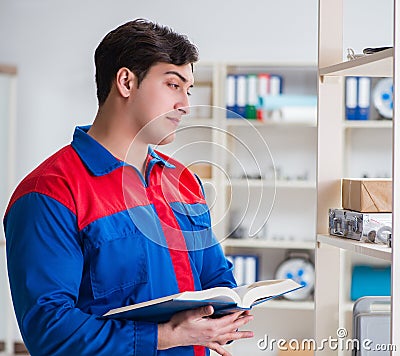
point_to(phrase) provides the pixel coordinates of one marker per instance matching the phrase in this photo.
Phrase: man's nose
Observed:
(183, 106)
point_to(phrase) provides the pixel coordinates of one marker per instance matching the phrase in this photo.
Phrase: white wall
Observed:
(368, 23)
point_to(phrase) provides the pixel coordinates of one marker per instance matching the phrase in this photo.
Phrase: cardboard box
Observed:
(367, 195)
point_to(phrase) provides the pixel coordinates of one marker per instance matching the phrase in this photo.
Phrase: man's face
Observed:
(160, 102)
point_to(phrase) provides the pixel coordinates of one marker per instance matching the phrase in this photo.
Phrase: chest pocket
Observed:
(116, 255)
(194, 220)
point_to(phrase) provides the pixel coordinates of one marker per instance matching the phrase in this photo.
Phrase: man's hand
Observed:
(195, 327)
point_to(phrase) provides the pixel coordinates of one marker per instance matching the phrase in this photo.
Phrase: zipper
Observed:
(139, 174)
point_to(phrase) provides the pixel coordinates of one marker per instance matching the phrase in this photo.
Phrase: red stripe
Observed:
(175, 239)
(199, 350)
(176, 245)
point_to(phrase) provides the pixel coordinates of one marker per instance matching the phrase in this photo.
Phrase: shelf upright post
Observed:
(395, 315)
(329, 171)
(220, 156)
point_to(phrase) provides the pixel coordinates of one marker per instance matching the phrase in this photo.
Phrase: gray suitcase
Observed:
(371, 227)
(371, 326)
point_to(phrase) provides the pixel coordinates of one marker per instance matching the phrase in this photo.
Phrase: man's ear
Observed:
(125, 82)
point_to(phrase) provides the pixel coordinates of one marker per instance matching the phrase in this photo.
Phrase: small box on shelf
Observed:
(367, 195)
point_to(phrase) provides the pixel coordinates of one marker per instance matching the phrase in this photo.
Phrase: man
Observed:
(107, 221)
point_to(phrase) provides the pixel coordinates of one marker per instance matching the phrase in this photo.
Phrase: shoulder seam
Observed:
(47, 195)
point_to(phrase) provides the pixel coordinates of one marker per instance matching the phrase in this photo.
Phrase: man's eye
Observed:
(175, 86)
(189, 93)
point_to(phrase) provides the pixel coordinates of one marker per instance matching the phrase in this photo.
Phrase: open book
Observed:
(223, 299)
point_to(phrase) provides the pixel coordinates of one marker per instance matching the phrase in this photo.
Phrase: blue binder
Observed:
(358, 98)
(351, 98)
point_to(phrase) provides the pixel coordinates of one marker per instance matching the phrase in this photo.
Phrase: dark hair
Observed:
(137, 45)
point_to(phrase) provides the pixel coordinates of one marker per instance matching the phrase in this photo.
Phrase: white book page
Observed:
(223, 294)
(264, 289)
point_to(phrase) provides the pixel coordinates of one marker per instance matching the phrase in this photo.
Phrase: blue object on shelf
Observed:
(358, 98)
(273, 102)
(370, 281)
(383, 97)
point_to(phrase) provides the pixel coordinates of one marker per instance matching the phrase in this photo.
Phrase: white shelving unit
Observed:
(294, 157)
(332, 304)
(367, 124)
(368, 146)
(253, 183)
(272, 143)
(381, 252)
(277, 194)
(266, 249)
(288, 305)
(8, 82)
(256, 243)
(271, 124)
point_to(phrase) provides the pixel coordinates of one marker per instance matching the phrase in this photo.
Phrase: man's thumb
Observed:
(207, 311)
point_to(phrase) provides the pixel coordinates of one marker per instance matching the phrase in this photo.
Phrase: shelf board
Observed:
(368, 124)
(276, 124)
(261, 243)
(367, 249)
(348, 306)
(379, 64)
(286, 304)
(248, 65)
(254, 183)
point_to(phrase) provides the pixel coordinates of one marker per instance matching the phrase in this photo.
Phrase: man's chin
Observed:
(165, 141)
